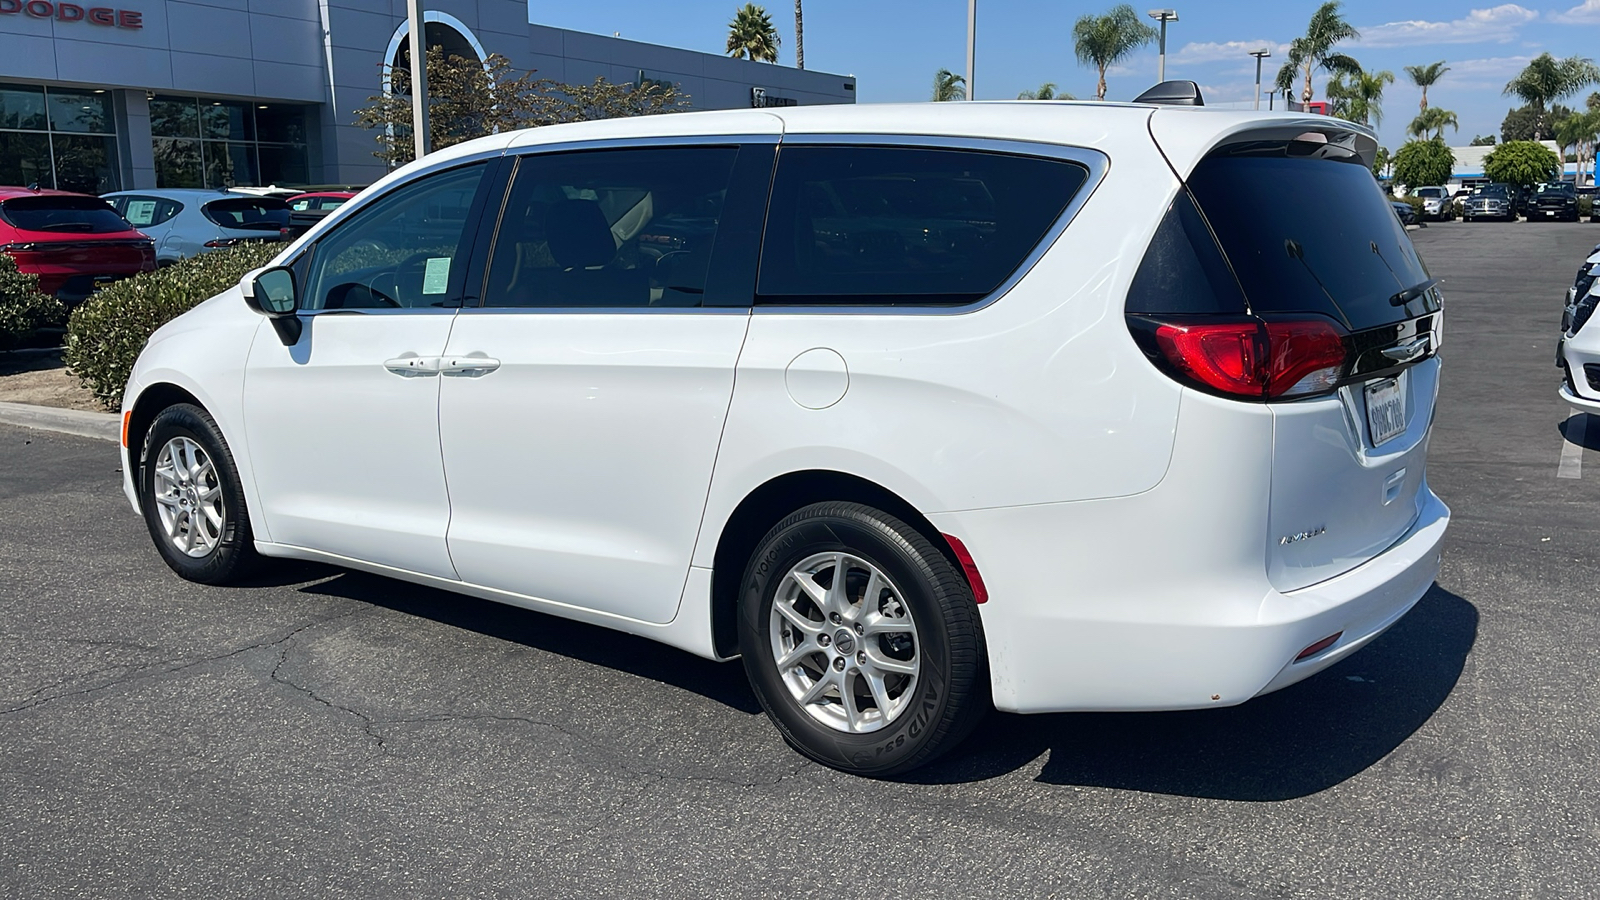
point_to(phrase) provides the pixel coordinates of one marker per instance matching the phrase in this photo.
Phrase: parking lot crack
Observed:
(171, 666)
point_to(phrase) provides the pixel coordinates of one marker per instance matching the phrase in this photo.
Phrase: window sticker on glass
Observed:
(141, 212)
(436, 277)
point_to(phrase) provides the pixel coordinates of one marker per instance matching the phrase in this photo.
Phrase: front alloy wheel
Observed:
(189, 490)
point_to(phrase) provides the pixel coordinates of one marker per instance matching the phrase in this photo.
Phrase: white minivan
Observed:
(920, 410)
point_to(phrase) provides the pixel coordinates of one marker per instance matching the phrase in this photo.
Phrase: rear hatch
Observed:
(247, 218)
(60, 236)
(1318, 257)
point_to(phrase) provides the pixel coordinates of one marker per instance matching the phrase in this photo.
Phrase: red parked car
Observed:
(75, 243)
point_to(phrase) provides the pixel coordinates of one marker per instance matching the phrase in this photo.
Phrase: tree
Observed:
(1046, 91)
(1521, 162)
(1423, 163)
(1314, 50)
(1359, 99)
(1482, 140)
(1382, 162)
(947, 85)
(1426, 77)
(1578, 131)
(1527, 123)
(1431, 123)
(1104, 41)
(751, 34)
(799, 36)
(1547, 79)
(468, 99)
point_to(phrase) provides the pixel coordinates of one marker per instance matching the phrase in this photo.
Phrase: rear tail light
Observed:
(1253, 358)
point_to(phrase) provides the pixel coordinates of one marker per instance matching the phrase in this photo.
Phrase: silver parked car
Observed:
(1436, 203)
(186, 222)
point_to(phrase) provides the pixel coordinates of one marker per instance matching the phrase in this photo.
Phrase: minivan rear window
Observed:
(902, 225)
(1308, 235)
(249, 213)
(64, 215)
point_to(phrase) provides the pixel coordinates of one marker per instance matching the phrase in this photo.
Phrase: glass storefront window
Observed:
(178, 163)
(227, 120)
(22, 107)
(174, 117)
(81, 111)
(85, 163)
(24, 159)
(240, 143)
(62, 138)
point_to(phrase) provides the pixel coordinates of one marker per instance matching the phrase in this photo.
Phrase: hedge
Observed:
(23, 310)
(106, 333)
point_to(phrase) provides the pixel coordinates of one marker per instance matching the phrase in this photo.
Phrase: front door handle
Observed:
(469, 366)
(413, 366)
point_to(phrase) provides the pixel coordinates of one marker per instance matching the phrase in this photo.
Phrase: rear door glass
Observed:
(62, 215)
(900, 225)
(1308, 235)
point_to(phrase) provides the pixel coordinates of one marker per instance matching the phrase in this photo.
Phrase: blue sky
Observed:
(894, 46)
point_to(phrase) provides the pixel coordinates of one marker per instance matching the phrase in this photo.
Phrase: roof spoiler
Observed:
(1173, 93)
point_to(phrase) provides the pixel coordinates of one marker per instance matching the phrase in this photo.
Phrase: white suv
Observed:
(918, 409)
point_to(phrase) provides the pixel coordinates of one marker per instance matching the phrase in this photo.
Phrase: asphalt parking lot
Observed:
(329, 734)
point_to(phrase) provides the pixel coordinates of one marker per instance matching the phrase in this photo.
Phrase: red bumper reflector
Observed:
(1319, 646)
(980, 594)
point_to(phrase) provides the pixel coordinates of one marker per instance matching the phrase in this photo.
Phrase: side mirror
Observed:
(272, 293)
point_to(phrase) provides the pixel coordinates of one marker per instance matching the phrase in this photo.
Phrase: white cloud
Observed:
(1230, 51)
(1585, 13)
(1492, 72)
(1499, 23)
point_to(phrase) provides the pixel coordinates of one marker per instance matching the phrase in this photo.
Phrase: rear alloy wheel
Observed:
(193, 505)
(861, 640)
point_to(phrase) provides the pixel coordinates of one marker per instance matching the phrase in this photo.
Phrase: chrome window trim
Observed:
(606, 310)
(645, 142)
(379, 311)
(1096, 162)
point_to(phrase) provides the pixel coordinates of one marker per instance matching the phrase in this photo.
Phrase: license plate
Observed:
(1549, 212)
(1386, 410)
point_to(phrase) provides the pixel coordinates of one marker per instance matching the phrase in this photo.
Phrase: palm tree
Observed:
(1361, 98)
(1433, 121)
(1106, 40)
(1578, 132)
(1315, 50)
(947, 85)
(799, 36)
(1547, 79)
(751, 34)
(1046, 91)
(1425, 77)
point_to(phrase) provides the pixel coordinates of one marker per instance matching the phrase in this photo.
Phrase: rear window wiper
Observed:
(1412, 293)
(83, 227)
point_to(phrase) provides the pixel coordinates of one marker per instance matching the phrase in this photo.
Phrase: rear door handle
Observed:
(469, 366)
(413, 366)
(1408, 351)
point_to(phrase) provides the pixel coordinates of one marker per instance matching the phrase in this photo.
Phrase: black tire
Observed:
(950, 694)
(233, 557)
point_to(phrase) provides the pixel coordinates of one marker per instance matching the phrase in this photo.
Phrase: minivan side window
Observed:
(903, 225)
(610, 228)
(400, 251)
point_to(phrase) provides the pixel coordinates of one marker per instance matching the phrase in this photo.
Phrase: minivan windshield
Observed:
(63, 214)
(1337, 250)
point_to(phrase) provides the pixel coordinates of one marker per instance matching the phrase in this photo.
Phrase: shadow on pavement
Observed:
(1582, 429)
(722, 682)
(1292, 743)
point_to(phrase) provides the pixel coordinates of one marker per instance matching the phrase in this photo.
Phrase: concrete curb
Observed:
(105, 426)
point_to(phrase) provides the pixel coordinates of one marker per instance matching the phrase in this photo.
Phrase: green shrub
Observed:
(1585, 204)
(1415, 203)
(107, 332)
(23, 310)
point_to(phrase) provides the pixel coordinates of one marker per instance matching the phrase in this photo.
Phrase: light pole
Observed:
(972, 45)
(1163, 16)
(419, 79)
(1259, 55)
(1270, 94)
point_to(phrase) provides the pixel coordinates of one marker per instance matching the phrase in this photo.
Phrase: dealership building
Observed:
(215, 93)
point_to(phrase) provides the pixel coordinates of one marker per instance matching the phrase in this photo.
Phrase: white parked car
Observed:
(186, 222)
(1578, 350)
(918, 409)
(1436, 203)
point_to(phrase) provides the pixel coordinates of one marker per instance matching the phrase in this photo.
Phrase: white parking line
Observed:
(1576, 430)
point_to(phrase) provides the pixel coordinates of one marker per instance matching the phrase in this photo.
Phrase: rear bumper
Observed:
(1230, 637)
